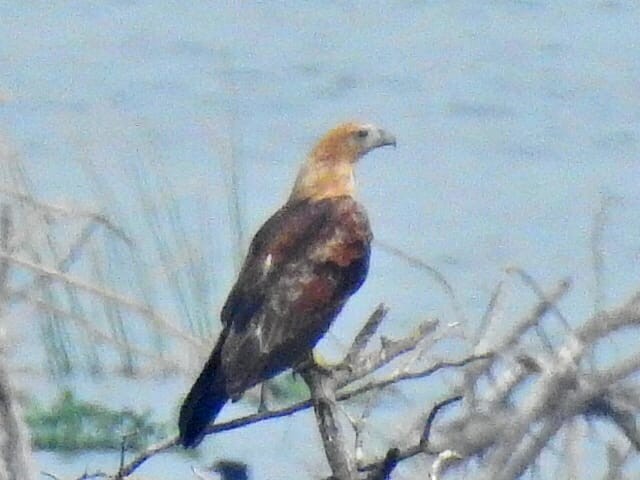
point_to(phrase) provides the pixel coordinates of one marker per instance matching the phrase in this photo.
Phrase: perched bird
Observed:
(302, 266)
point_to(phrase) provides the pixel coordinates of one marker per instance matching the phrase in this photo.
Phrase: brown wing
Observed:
(302, 266)
(278, 241)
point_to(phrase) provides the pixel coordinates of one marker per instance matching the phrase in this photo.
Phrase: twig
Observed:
(545, 304)
(509, 463)
(292, 409)
(624, 418)
(89, 476)
(513, 377)
(487, 316)
(50, 475)
(364, 335)
(381, 469)
(560, 393)
(437, 276)
(364, 364)
(604, 323)
(391, 460)
(529, 281)
(128, 468)
(123, 449)
(401, 376)
(600, 219)
(426, 433)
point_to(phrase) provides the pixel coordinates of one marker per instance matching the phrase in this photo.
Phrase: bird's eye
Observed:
(363, 133)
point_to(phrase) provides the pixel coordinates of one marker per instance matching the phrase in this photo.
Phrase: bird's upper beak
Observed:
(385, 138)
(367, 137)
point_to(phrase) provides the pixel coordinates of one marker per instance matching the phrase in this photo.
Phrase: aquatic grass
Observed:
(51, 249)
(70, 424)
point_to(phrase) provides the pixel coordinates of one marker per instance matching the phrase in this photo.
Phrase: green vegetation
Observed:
(288, 388)
(71, 424)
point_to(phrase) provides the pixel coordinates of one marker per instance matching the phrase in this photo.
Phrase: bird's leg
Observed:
(312, 361)
(304, 364)
(262, 406)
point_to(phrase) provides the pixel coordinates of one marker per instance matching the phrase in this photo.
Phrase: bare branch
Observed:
(435, 274)
(400, 376)
(90, 476)
(426, 433)
(364, 364)
(322, 387)
(381, 469)
(303, 405)
(364, 335)
(50, 475)
(535, 287)
(603, 323)
(487, 317)
(600, 219)
(14, 441)
(623, 417)
(547, 302)
(388, 464)
(128, 468)
(507, 432)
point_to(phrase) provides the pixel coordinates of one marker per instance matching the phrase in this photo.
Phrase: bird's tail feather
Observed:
(204, 401)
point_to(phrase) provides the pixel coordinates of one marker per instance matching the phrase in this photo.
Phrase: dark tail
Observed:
(205, 400)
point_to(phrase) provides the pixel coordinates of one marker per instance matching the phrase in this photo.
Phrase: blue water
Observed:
(515, 121)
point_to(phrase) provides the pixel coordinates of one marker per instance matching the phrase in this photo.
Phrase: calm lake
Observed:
(517, 121)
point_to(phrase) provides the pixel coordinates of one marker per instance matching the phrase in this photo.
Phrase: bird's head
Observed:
(350, 141)
(328, 171)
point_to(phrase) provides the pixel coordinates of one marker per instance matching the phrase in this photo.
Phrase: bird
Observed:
(301, 267)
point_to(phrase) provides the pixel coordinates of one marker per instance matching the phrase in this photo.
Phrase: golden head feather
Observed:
(328, 170)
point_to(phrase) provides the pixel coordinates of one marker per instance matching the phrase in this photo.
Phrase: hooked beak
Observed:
(385, 138)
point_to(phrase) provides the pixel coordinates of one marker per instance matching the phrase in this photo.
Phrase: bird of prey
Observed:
(302, 266)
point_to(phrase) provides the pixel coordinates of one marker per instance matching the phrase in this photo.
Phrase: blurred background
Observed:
(143, 143)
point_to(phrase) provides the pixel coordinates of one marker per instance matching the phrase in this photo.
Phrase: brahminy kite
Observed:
(302, 266)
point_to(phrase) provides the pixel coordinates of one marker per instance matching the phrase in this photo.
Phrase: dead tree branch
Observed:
(510, 435)
(331, 386)
(15, 452)
(322, 387)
